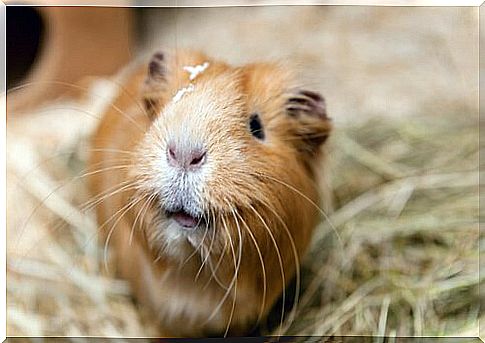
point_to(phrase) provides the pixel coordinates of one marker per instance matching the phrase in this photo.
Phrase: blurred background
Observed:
(401, 84)
(382, 60)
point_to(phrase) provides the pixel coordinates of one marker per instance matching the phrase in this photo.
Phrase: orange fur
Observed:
(256, 192)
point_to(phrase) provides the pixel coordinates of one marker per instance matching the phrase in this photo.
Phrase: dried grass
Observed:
(406, 211)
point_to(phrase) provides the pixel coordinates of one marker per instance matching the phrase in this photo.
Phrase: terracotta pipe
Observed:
(78, 42)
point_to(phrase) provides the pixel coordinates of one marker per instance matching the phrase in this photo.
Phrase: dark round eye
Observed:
(256, 127)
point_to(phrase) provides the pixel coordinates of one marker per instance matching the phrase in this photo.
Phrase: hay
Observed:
(405, 261)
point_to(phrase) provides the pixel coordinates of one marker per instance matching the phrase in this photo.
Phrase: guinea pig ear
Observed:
(154, 83)
(313, 126)
(157, 68)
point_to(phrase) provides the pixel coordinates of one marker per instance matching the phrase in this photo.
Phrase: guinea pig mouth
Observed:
(185, 219)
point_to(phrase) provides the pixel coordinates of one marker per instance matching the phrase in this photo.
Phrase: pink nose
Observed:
(189, 159)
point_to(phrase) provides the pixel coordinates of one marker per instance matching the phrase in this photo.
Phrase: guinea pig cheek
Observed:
(226, 182)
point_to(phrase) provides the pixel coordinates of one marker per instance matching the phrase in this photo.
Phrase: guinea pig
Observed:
(206, 183)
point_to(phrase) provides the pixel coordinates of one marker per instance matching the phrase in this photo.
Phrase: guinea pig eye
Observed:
(256, 127)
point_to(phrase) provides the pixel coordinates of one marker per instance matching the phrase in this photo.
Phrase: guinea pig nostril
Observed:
(198, 159)
(171, 153)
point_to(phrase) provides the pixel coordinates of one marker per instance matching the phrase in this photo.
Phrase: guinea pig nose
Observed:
(191, 158)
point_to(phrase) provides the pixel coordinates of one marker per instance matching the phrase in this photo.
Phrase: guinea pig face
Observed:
(227, 149)
(195, 157)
